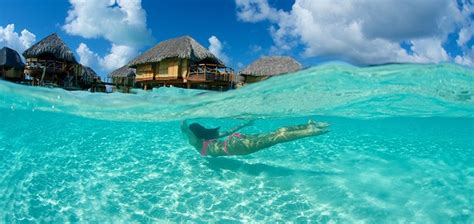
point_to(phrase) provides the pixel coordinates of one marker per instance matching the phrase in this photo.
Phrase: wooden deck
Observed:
(211, 73)
(202, 76)
(49, 66)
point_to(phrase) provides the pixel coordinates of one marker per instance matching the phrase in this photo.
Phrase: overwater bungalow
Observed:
(50, 62)
(123, 78)
(182, 62)
(91, 81)
(267, 67)
(11, 65)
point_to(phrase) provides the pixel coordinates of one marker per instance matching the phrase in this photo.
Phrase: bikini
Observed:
(206, 143)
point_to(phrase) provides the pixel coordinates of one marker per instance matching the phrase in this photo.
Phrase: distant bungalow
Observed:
(11, 66)
(90, 80)
(123, 78)
(51, 62)
(181, 62)
(266, 67)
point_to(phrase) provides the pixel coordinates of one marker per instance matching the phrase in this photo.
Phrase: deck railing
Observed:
(46, 72)
(211, 73)
(52, 66)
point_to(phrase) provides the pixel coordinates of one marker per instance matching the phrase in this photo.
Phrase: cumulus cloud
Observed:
(255, 10)
(465, 34)
(428, 50)
(123, 23)
(86, 56)
(216, 47)
(19, 42)
(364, 32)
(466, 59)
(118, 56)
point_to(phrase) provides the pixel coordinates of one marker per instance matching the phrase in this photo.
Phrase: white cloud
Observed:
(255, 10)
(86, 56)
(467, 58)
(465, 34)
(11, 39)
(365, 31)
(428, 50)
(216, 47)
(463, 60)
(118, 56)
(123, 23)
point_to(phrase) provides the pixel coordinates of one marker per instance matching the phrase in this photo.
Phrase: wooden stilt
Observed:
(42, 76)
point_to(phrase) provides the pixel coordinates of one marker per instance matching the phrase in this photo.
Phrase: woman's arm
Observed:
(233, 130)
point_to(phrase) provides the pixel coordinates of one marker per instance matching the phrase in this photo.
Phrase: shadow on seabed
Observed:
(257, 169)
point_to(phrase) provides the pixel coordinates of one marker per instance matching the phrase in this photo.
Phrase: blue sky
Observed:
(240, 31)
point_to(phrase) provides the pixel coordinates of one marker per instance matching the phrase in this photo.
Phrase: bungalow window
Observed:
(163, 68)
(144, 71)
(173, 68)
(167, 68)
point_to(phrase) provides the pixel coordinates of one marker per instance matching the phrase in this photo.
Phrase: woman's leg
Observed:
(251, 144)
(310, 124)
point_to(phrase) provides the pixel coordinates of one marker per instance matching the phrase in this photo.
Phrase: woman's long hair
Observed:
(204, 133)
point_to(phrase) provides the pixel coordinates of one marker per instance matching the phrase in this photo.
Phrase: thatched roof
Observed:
(181, 47)
(88, 72)
(9, 58)
(53, 45)
(123, 71)
(88, 75)
(270, 66)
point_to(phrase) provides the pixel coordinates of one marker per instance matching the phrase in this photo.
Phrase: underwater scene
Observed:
(400, 148)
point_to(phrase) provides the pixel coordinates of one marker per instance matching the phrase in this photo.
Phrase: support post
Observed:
(42, 76)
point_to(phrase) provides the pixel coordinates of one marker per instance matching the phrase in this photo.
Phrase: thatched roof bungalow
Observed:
(88, 75)
(51, 47)
(266, 67)
(11, 65)
(181, 62)
(123, 78)
(123, 71)
(91, 80)
(51, 61)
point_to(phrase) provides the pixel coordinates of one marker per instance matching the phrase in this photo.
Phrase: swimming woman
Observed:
(207, 142)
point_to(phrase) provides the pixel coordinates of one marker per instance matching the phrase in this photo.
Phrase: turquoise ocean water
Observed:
(400, 149)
